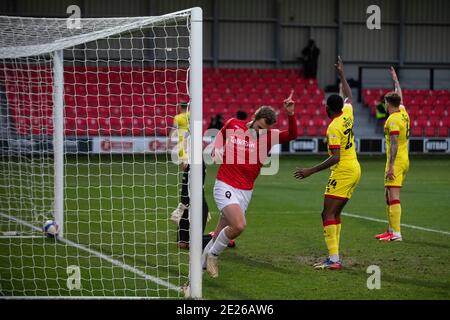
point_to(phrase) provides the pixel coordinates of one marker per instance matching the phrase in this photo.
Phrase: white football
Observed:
(51, 228)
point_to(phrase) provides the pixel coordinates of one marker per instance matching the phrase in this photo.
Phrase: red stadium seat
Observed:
(69, 126)
(438, 110)
(81, 127)
(425, 111)
(442, 92)
(319, 121)
(70, 112)
(92, 112)
(114, 100)
(94, 97)
(137, 126)
(105, 127)
(430, 132)
(92, 126)
(443, 132)
(416, 131)
(127, 125)
(116, 127)
(323, 131)
(421, 121)
(432, 122)
(413, 112)
(126, 111)
(311, 131)
(305, 122)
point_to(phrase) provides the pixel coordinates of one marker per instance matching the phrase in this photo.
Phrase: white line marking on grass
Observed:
(355, 216)
(20, 237)
(403, 224)
(102, 256)
(79, 298)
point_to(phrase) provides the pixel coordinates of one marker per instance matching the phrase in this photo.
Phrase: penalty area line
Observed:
(101, 256)
(357, 216)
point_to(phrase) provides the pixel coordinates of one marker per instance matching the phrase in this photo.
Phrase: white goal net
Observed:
(85, 114)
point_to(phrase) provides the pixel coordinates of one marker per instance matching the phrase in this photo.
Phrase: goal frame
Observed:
(194, 288)
(196, 168)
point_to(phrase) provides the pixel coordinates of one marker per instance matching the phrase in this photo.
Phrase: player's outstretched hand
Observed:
(339, 66)
(394, 74)
(289, 104)
(302, 173)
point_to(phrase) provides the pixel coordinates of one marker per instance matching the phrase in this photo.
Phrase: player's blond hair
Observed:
(267, 113)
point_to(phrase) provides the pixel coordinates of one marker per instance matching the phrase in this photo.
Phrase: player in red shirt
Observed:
(242, 147)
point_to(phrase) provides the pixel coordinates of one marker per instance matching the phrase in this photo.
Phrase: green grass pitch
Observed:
(126, 219)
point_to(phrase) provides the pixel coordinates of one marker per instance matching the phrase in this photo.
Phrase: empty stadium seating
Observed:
(429, 110)
(136, 102)
(113, 101)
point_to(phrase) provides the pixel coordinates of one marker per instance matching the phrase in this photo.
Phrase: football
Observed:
(51, 229)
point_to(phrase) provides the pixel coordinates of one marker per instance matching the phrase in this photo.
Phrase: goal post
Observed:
(85, 116)
(196, 186)
(58, 139)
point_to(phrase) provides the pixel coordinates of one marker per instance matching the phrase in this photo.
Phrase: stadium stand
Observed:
(122, 102)
(429, 110)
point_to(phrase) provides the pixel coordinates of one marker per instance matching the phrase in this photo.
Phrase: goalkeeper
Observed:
(181, 214)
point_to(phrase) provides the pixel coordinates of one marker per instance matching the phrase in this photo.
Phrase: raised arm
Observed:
(346, 91)
(398, 89)
(291, 133)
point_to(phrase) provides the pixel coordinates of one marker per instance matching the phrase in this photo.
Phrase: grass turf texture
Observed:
(273, 257)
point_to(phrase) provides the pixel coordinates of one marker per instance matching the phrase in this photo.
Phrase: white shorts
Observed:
(224, 195)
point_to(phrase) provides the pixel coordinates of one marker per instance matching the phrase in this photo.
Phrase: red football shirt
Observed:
(244, 152)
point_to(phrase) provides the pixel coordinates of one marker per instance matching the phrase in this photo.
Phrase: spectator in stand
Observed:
(241, 115)
(309, 58)
(381, 110)
(216, 122)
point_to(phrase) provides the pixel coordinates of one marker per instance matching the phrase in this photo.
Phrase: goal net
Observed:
(85, 113)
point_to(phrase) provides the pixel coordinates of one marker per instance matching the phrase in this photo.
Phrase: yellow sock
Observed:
(388, 213)
(396, 212)
(330, 234)
(338, 234)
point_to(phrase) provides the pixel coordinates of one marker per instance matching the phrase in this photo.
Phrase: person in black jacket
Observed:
(310, 57)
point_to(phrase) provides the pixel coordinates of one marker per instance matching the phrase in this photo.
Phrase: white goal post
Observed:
(85, 116)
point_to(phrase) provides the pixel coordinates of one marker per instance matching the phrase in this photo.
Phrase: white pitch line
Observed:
(20, 237)
(360, 217)
(403, 224)
(102, 256)
(79, 298)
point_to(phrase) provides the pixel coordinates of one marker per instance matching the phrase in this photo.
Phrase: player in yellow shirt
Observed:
(181, 130)
(396, 131)
(344, 165)
(181, 125)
